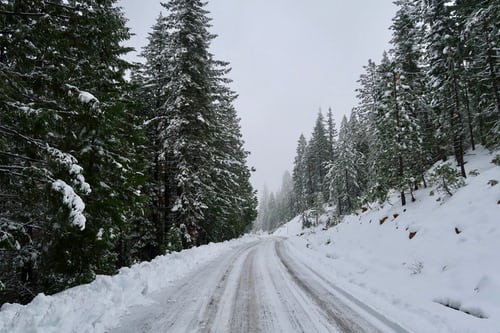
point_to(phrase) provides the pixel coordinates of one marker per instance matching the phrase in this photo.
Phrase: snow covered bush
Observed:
(446, 178)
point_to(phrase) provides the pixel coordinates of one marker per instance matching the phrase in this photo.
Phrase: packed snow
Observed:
(446, 278)
(99, 305)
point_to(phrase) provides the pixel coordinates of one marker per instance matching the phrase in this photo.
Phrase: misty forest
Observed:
(106, 163)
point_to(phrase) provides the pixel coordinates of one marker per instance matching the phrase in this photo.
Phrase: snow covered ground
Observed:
(445, 279)
(363, 275)
(99, 305)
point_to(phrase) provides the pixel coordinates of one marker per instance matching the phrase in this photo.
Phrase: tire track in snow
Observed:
(213, 305)
(188, 306)
(291, 309)
(258, 287)
(326, 294)
(245, 312)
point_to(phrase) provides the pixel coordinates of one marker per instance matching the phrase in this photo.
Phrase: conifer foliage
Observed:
(202, 183)
(97, 172)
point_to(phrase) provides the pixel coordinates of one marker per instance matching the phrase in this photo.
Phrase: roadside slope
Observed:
(446, 278)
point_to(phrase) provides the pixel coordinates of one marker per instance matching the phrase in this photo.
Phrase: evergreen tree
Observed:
(480, 35)
(342, 175)
(409, 89)
(445, 59)
(398, 130)
(233, 209)
(276, 209)
(300, 174)
(317, 157)
(66, 133)
(200, 182)
(151, 81)
(369, 95)
(331, 134)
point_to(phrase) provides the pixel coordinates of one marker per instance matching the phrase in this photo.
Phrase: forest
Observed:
(104, 163)
(434, 95)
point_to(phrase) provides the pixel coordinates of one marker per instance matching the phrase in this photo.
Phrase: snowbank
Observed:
(445, 278)
(98, 305)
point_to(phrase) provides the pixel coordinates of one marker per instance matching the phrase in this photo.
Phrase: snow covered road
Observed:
(259, 287)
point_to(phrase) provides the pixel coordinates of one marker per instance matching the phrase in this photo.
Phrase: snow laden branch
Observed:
(71, 164)
(72, 201)
(69, 197)
(84, 97)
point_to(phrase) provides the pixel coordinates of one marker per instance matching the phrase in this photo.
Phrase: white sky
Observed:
(289, 58)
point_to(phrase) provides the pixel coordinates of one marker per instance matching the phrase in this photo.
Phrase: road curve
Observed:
(259, 287)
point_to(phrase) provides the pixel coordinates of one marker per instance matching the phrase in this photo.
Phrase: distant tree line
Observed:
(96, 171)
(434, 94)
(276, 208)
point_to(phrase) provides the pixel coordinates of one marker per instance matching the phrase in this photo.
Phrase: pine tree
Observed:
(300, 174)
(233, 208)
(317, 157)
(200, 182)
(397, 129)
(286, 199)
(179, 71)
(331, 134)
(480, 35)
(409, 90)
(445, 58)
(151, 80)
(67, 82)
(33, 167)
(275, 209)
(369, 95)
(342, 174)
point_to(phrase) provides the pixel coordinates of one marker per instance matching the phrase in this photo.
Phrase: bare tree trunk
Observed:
(469, 118)
(349, 203)
(456, 125)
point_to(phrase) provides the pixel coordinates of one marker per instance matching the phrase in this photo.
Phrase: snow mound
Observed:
(99, 305)
(433, 264)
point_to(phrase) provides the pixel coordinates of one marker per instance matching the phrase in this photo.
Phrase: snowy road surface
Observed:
(260, 287)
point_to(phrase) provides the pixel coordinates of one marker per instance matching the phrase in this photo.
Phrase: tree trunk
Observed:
(494, 81)
(349, 204)
(456, 125)
(411, 194)
(469, 118)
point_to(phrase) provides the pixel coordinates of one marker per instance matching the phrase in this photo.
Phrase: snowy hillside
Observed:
(432, 265)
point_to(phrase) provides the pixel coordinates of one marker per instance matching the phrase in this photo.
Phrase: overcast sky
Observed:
(289, 58)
